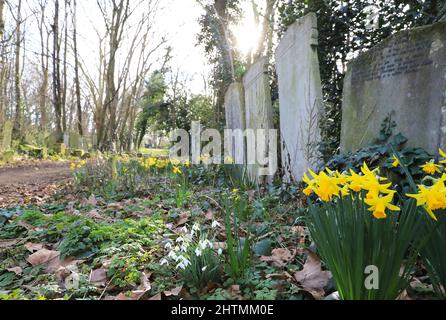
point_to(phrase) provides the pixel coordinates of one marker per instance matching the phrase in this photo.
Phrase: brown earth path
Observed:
(31, 183)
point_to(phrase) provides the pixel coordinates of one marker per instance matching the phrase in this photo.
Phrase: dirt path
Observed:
(31, 183)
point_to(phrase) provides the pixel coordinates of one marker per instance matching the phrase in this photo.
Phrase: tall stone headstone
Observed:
(405, 77)
(259, 114)
(235, 121)
(301, 100)
(6, 137)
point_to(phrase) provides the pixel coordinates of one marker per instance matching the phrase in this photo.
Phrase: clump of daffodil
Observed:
(80, 165)
(329, 184)
(432, 168)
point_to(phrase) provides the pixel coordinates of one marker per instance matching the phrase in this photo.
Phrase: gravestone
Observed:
(259, 114)
(301, 100)
(405, 77)
(235, 120)
(6, 138)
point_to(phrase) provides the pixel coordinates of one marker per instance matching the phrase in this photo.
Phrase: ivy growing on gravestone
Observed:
(345, 29)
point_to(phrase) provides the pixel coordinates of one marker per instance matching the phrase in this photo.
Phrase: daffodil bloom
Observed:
(380, 203)
(431, 168)
(152, 162)
(73, 166)
(327, 187)
(396, 162)
(175, 162)
(356, 182)
(177, 170)
(431, 198)
(186, 163)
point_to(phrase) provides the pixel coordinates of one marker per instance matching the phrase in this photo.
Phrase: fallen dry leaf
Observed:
(4, 244)
(312, 278)
(92, 201)
(98, 277)
(280, 257)
(33, 247)
(183, 219)
(175, 292)
(131, 296)
(17, 270)
(51, 259)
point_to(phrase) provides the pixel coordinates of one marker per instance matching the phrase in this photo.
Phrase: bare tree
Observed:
(57, 89)
(76, 71)
(17, 134)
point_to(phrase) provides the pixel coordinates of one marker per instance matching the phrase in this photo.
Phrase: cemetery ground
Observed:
(145, 228)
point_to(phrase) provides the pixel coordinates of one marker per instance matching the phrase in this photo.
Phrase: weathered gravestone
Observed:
(301, 99)
(6, 137)
(235, 121)
(404, 76)
(259, 117)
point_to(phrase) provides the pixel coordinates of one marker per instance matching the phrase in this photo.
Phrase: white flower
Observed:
(215, 224)
(181, 266)
(184, 230)
(164, 262)
(204, 269)
(172, 255)
(202, 244)
(196, 227)
(184, 248)
(180, 239)
(220, 251)
(168, 246)
(198, 252)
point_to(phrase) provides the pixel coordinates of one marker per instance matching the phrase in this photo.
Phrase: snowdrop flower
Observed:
(180, 239)
(164, 262)
(184, 248)
(220, 251)
(181, 266)
(198, 252)
(196, 227)
(168, 246)
(204, 269)
(184, 230)
(172, 255)
(215, 224)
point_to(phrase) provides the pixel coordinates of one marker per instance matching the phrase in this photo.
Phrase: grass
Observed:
(154, 152)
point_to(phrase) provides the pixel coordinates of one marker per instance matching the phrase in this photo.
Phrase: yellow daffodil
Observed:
(186, 163)
(396, 162)
(431, 168)
(312, 184)
(152, 162)
(327, 187)
(431, 198)
(73, 166)
(177, 170)
(356, 182)
(161, 164)
(379, 204)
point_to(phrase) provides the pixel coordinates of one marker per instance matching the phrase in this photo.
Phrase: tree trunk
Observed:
(17, 130)
(2, 65)
(76, 72)
(57, 92)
